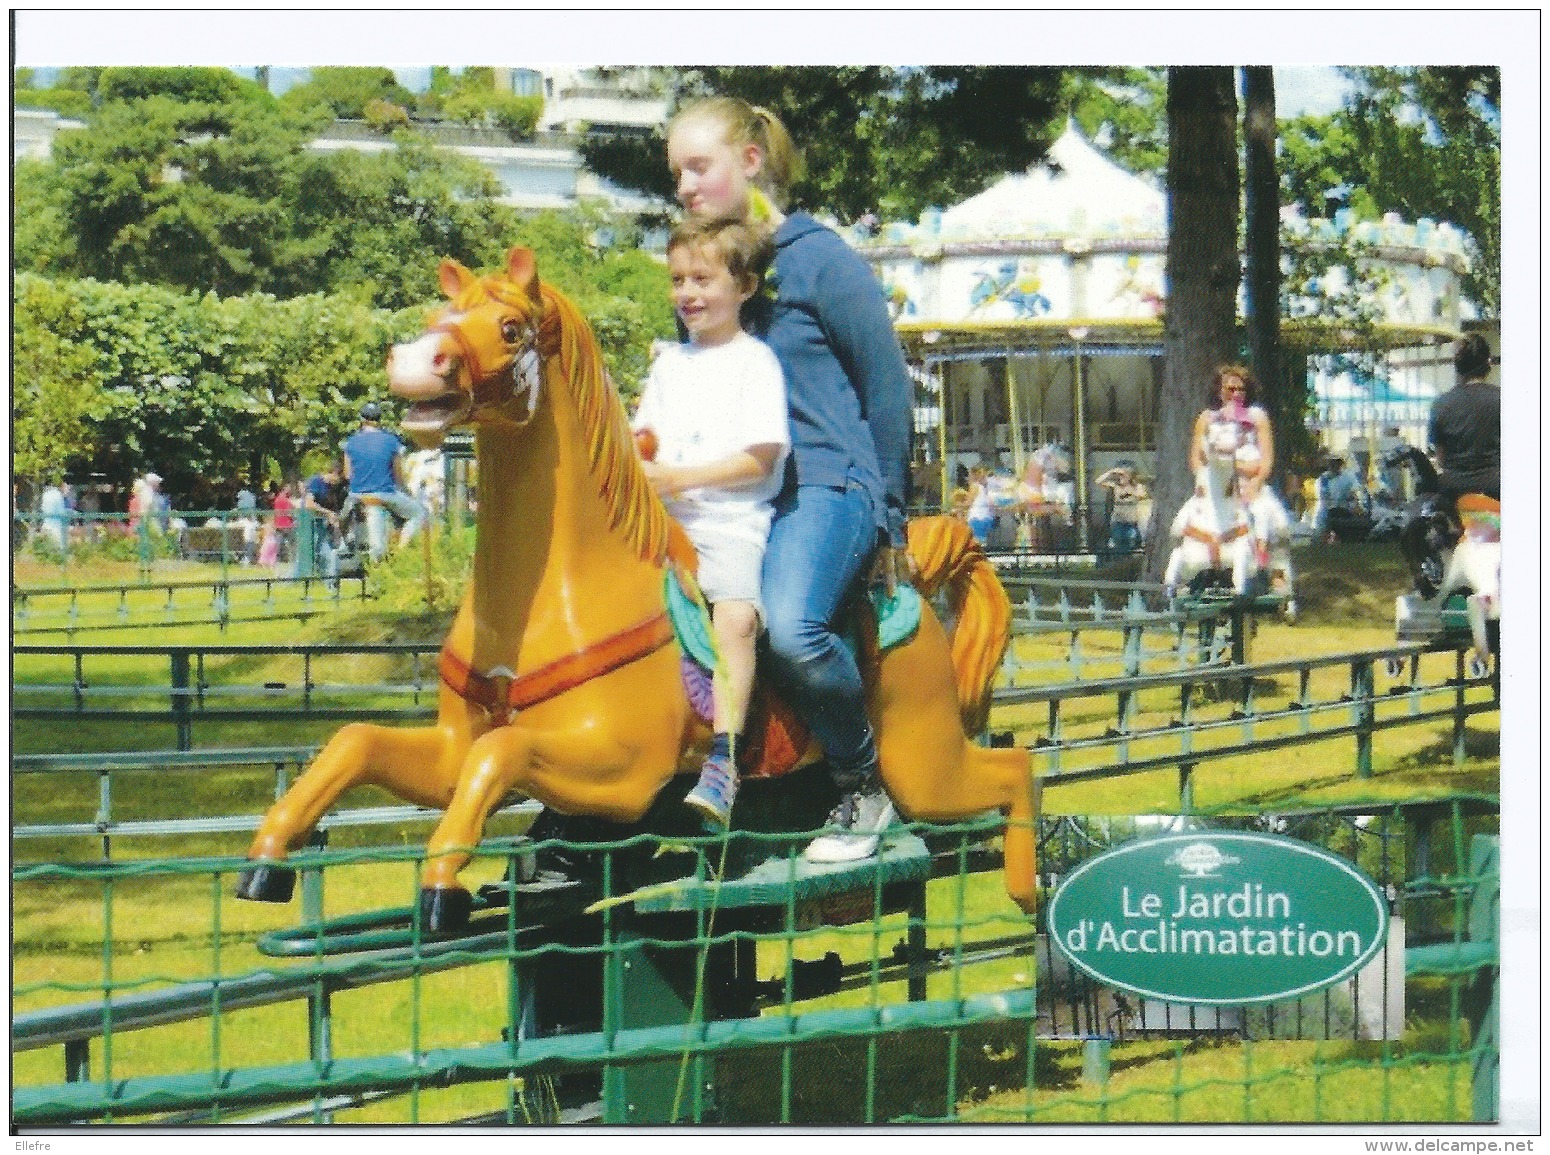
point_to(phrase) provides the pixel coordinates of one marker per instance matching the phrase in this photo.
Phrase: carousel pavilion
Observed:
(1031, 314)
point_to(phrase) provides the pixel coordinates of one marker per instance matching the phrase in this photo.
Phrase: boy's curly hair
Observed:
(745, 248)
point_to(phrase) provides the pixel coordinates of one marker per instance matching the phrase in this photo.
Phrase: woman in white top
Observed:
(1233, 387)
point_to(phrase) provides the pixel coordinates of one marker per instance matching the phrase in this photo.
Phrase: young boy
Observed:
(717, 407)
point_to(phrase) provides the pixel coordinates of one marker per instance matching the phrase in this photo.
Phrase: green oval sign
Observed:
(1215, 917)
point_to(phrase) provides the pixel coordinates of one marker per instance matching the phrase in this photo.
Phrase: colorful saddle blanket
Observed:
(774, 737)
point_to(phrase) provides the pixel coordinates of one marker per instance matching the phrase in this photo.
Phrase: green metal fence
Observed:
(668, 976)
(1089, 630)
(147, 605)
(1110, 728)
(680, 978)
(178, 686)
(1090, 727)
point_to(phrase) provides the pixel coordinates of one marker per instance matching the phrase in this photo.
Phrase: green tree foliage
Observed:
(470, 97)
(198, 387)
(345, 92)
(194, 85)
(120, 378)
(181, 193)
(380, 222)
(67, 101)
(41, 240)
(1420, 142)
(226, 197)
(56, 388)
(885, 140)
(1123, 110)
(77, 91)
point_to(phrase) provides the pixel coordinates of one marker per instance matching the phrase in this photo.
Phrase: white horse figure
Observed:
(1473, 566)
(1271, 528)
(1212, 530)
(426, 479)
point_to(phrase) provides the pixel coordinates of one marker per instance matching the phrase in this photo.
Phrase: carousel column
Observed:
(938, 375)
(1079, 436)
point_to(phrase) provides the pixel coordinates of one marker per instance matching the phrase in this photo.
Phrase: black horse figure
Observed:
(1424, 531)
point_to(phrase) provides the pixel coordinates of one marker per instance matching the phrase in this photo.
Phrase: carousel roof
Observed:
(1077, 243)
(1076, 191)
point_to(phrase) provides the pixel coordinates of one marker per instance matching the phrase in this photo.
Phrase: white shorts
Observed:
(731, 568)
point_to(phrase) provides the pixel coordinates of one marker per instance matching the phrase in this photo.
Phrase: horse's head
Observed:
(478, 359)
(1222, 441)
(1219, 472)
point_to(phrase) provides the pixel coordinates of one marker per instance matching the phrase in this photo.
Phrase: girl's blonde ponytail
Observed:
(782, 162)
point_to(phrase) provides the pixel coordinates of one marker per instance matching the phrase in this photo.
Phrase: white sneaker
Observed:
(855, 826)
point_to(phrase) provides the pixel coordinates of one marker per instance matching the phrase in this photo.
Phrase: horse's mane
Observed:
(633, 507)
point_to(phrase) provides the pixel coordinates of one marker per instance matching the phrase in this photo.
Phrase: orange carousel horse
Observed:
(561, 677)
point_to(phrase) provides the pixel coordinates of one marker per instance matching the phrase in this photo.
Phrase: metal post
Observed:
(1095, 1060)
(181, 712)
(320, 1022)
(1365, 711)
(1240, 640)
(1459, 714)
(77, 1060)
(145, 547)
(425, 549)
(915, 945)
(941, 430)
(105, 811)
(1079, 436)
(305, 544)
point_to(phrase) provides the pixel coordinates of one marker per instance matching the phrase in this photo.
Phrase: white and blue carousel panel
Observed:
(1004, 288)
(1126, 286)
(903, 288)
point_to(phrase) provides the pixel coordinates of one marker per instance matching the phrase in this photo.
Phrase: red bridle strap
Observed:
(558, 676)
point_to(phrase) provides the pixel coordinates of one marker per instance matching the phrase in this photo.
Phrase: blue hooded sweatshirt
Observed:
(848, 390)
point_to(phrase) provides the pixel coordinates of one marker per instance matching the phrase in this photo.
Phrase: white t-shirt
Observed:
(704, 403)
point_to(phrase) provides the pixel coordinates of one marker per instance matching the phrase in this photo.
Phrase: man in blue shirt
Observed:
(374, 465)
(1344, 501)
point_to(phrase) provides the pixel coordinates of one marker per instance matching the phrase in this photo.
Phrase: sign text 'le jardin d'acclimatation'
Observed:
(1217, 917)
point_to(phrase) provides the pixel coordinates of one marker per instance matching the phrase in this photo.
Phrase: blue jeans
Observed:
(1124, 537)
(326, 552)
(821, 541)
(377, 525)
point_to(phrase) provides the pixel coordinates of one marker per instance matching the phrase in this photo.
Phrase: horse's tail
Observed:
(947, 556)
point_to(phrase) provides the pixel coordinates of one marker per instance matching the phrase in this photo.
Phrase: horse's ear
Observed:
(454, 278)
(522, 268)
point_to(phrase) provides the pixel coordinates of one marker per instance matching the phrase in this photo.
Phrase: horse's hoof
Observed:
(1478, 667)
(267, 882)
(445, 909)
(1395, 667)
(1291, 612)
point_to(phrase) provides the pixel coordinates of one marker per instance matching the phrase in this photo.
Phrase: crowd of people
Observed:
(373, 476)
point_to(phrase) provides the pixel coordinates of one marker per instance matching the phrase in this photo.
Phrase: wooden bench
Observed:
(209, 542)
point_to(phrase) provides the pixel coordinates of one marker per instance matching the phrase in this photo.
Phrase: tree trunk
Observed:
(1202, 276)
(1262, 251)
